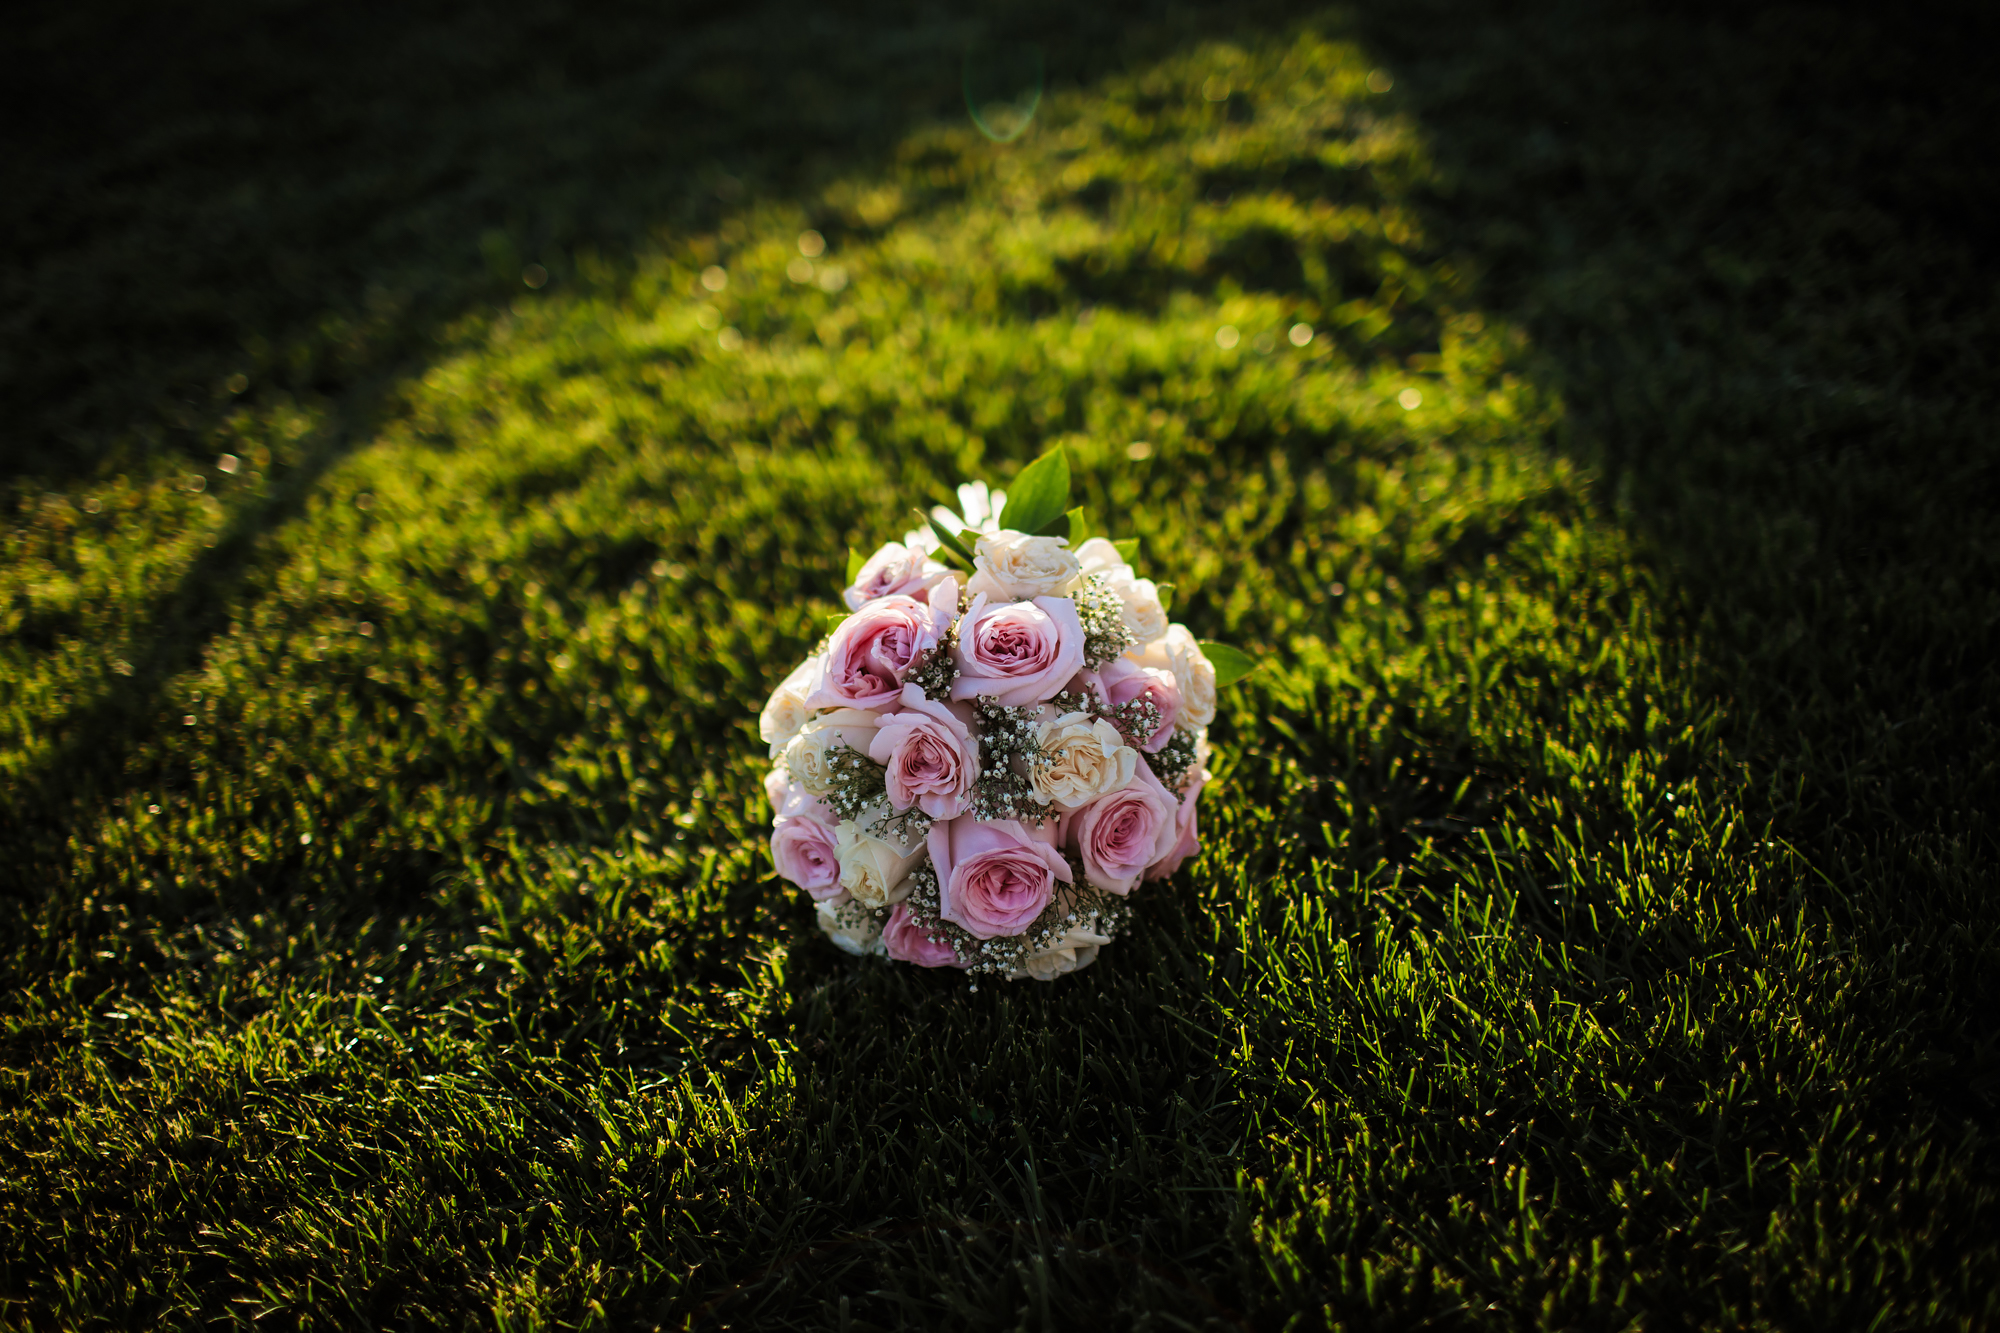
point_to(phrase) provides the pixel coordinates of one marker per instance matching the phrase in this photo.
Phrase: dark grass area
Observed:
(1596, 928)
(1773, 341)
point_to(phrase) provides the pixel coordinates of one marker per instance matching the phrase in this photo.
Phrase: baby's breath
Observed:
(860, 786)
(1074, 701)
(1175, 758)
(851, 915)
(1003, 793)
(934, 669)
(859, 783)
(1102, 614)
(1009, 741)
(1136, 719)
(902, 827)
(1086, 905)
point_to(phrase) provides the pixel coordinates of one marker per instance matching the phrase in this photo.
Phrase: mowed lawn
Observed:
(430, 435)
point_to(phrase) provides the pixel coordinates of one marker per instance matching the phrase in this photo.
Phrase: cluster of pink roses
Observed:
(980, 764)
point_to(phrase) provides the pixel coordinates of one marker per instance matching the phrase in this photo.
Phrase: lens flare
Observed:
(1003, 88)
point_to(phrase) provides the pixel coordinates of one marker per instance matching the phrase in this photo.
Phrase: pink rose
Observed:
(1120, 834)
(1125, 680)
(895, 570)
(875, 647)
(993, 878)
(1187, 839)
(907, 943)
(806, 852)
(804, 844)
(1018, 652)
(931, 756)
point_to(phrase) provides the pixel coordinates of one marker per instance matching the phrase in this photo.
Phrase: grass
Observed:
(1595, 926)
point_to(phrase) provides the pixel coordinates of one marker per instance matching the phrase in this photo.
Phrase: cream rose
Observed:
(855, 931)
(1176, 651)
(1080, 760)
(1098, 556)
(1144, 617)
(1015, 566)
(806, 757)
(787, 711)
(1077, 948)
(875, 872)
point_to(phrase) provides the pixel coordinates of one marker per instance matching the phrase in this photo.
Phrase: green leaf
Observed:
(1040, 495)
(833, 619)
(952, 545)
(1166, 591)
(1231, 664)
(854, 564)
(1128, 549)
(1079, 529)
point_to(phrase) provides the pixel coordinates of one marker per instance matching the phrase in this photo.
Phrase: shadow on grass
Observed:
(1753, 247)
(924, 1181)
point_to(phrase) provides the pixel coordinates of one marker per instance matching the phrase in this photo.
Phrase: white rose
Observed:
(877, 873)
(1013, 566)
(1077, 948)
(981, 506)
(1176, 651)
(786, 712)
(1098, 556)
(806, 757)
(1144, 618)
(1080, 760)
(982, 513)
(856, 931)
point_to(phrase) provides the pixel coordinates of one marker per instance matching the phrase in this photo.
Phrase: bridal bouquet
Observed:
(999, 743)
